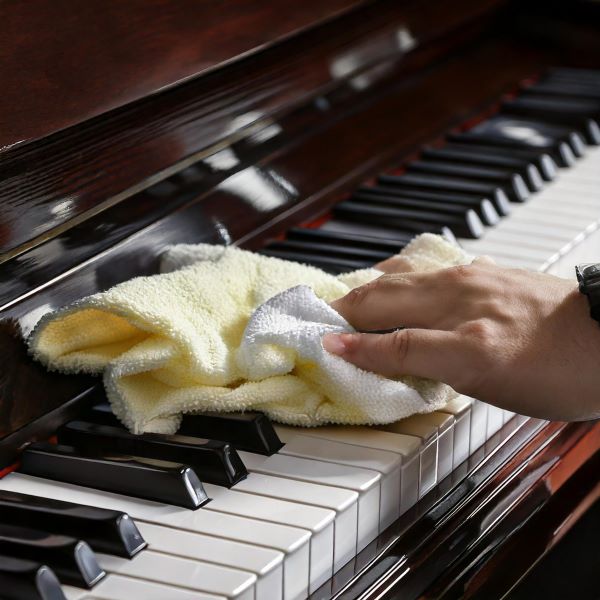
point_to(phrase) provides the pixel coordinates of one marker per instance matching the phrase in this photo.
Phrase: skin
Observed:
(519, 340)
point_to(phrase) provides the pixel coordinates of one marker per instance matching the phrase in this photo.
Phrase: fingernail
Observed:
(334, 343)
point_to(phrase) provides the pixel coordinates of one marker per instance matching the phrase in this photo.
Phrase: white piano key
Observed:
(292, 541)
(460, 409)
(445, 426)
(563, 217)
(511, 239)
(496, 248)
(182, 573)
(265, 563)
(495, 420)
(117, 587)
(344, 502)
(515, 263)
(363, 481)
(386, 463)
(479, 416)
(572, 198)
(507, 415)
(319, 521)
(571, 226)
(428, 451)
(540, 229)
(406, 446)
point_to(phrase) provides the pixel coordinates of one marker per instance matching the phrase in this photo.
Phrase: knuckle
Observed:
(479, 331)
(354, 298)
(460, 274)
(399, 343)
(357, 297)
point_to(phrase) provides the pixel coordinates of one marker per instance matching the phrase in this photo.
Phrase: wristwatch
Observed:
(588, 276)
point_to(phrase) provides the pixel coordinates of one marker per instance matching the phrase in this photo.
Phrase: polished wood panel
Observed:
(67, 61)
(50, 186)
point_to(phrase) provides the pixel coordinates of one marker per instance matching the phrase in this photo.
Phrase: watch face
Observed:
(590, 270)
(588, 275)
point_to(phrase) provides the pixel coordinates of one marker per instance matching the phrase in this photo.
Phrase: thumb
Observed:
(419, 352)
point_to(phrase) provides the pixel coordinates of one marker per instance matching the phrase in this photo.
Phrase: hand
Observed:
(519, 340)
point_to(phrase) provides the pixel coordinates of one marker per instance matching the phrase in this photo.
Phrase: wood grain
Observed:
(64, 62)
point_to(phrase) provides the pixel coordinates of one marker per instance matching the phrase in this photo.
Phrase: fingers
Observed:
(441, 299)
(391, 301)
(484, 259)
(436, 355)
(395, 264)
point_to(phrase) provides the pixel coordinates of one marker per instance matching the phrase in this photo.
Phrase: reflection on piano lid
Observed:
(299, 140)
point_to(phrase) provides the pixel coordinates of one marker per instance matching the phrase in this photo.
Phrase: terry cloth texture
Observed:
(224, 329)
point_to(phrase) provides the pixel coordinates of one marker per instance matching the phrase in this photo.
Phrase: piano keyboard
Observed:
(521, 187)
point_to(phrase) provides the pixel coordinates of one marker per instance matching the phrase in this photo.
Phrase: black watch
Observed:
(588, 275)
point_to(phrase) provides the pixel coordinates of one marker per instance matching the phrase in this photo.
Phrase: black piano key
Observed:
(329, 264)
(573, 75)
(323, 236)
(449, 185)
(512, 183)
(482, 206)
(158, 480)
(250, 431)
(489, 209)
(22, 579)
(563, 144)
(467, 225)
(525, 168)
(406, 202)
(388, 234)
(560, 89)
(108, 531)
(213, 461)
(582, 115)
(546, 165)
(72, 560)
(330, 250)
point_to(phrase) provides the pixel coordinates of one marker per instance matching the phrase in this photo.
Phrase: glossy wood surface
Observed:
(48, 187)
(63, 62)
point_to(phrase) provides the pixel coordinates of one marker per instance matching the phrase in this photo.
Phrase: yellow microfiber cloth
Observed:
(191, 339)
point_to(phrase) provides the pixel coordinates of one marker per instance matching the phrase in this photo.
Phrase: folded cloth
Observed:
(224, 329)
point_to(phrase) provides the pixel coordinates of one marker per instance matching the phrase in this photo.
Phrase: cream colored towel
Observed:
(184, 341)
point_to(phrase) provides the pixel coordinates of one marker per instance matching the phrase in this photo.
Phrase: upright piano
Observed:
(328, 133)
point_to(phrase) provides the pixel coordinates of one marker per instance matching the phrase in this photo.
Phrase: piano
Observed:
(329, 133)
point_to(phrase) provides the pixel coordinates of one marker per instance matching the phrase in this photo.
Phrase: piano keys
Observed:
(263, 510)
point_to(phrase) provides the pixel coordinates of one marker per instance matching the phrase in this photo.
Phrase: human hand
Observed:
(519, 340)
